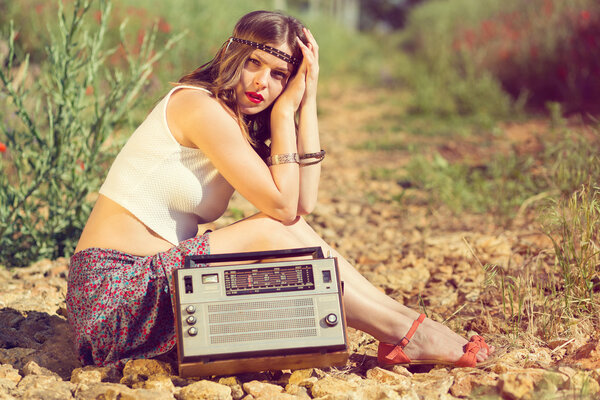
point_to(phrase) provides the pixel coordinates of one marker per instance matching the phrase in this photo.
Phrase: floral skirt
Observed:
(120, 306)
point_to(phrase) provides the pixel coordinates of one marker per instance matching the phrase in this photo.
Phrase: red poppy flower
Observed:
(164, 26)
(2, 147)
(585, 15)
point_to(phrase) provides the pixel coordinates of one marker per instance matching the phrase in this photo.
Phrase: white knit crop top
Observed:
(169, 187)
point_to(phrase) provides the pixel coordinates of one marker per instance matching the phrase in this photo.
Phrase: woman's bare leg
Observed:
(367, 308)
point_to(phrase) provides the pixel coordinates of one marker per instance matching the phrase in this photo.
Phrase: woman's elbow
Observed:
(305, 209)
(287, 215)
(306, 206)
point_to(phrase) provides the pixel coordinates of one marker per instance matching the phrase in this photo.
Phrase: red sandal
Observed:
(391, 354)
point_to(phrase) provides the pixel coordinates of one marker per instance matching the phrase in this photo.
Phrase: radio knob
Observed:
(192, 331)
(190, 309)
(331, 319)
(191, 320)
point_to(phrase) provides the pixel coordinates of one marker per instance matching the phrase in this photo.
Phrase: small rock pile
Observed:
(37, 361)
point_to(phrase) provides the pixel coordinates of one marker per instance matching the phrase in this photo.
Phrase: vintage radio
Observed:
(234, 317)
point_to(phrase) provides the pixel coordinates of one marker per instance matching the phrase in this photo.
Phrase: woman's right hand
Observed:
(294, 92)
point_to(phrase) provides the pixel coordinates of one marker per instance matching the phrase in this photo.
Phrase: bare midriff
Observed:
(111, 226)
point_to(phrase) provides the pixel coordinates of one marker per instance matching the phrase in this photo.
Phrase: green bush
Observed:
(498, 187)
(54, 129)
(542, 50)
(505, 183)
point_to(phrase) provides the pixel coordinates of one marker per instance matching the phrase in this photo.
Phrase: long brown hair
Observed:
(222, 73)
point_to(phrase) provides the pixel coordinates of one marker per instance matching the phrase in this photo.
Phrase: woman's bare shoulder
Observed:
(192, 112)
(196, 102)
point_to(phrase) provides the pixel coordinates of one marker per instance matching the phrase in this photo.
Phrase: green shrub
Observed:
(499, 187)
(507, 182)
(56, 121)
(573, 160)
(544, 50)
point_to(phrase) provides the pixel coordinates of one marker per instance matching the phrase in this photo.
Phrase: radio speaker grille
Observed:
(261, 320)
(248, 337)
(255, 305)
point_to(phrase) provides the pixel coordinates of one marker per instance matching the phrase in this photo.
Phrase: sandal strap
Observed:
(397, 350)
(406, 339)
(481, 341)
(469, 359)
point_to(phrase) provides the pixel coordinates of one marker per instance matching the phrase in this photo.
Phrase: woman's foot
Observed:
(431, 342)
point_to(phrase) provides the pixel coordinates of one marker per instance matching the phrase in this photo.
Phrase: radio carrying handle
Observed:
(191, 261)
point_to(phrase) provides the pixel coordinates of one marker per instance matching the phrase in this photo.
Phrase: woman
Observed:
(205, 139)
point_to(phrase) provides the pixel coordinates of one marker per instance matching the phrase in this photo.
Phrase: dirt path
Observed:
(426, 258)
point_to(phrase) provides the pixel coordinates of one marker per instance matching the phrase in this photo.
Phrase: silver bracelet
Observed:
(319, 155)
(276, 159)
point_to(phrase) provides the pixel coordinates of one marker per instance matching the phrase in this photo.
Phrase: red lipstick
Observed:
(254, 97)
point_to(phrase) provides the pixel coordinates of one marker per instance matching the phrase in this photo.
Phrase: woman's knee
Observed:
(258, 232)
(278, 233)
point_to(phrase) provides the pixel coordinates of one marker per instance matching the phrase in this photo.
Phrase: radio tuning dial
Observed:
(331, 319)
(191, 320)
(192, 331)
(190, 309)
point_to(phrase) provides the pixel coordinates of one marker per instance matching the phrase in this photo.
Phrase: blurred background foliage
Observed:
(482, 58)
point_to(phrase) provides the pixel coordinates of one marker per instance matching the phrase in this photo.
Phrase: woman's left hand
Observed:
(310, 66)
(302, 88)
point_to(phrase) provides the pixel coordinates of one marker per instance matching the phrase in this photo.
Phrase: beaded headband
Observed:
(271, 50)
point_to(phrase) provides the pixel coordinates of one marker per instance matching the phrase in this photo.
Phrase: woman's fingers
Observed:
(311, 40)
(306, 51)
(310, 58)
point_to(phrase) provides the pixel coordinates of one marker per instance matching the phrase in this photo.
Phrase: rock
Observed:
(158, 383)
(296, 390)
(330, 386)
(501, 367)
(146, 368)
(304, 379)
(103, 390)
(86, 375)
(300, 375)
(401, 370)
(137, 372)
(145, 394)
(516, 385)
(466, 383)
(13, 356)
(205, 390)
(355, 388)
(388, 377)
(6, 386)
(9, 373)
(262, 389)
(551, 382)
(433, 385)
(89, 374)
(43, 387)
(31, 368)
(236, 386)
(583, 383)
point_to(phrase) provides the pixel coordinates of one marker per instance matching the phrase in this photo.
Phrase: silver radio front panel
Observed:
(257, 308)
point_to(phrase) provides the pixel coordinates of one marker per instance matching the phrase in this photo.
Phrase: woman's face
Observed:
(263, 78)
